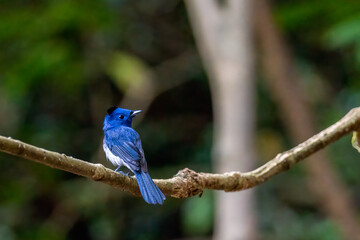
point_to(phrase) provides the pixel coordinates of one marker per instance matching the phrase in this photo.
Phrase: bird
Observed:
(122, 147)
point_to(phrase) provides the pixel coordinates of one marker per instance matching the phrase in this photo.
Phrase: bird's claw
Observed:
(121, 172)
(126, 174)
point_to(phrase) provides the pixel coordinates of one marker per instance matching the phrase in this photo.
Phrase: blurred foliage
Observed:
(127, 70)
(63, 63)
(198, 215)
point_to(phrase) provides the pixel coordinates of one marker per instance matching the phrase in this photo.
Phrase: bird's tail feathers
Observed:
(150, 192)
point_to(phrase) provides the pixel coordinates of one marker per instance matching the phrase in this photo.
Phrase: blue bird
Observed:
(122, 147)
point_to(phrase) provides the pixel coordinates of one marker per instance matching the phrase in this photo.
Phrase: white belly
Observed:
(115, 160)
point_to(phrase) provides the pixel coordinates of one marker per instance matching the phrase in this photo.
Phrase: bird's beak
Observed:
(136, 112)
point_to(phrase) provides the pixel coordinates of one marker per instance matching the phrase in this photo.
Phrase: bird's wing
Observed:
(128, 153)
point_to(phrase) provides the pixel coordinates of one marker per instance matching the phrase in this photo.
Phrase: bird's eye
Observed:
(121, 116)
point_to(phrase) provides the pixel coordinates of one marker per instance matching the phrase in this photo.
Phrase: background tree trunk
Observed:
(283, 82)
(223, 36)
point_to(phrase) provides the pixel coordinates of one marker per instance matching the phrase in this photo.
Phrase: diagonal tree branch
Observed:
(187, 183)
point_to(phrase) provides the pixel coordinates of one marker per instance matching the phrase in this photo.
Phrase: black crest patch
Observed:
(111, 109)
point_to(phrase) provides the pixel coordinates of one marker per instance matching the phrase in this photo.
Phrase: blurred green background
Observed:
(63, 63)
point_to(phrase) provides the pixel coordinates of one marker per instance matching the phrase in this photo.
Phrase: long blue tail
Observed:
(150, 192)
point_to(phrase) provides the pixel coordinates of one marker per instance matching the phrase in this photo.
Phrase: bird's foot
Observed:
(126, 174)
(121, 172)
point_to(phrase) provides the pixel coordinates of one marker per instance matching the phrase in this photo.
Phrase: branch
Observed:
(187, 183)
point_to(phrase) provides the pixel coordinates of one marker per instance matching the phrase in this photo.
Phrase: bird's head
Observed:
(119, 117)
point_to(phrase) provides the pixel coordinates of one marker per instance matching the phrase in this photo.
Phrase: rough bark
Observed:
(283, 81)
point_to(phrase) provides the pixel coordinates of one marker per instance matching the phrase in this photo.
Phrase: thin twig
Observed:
(188, 183)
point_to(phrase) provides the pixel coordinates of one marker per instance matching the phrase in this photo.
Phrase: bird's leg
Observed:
(117, 169)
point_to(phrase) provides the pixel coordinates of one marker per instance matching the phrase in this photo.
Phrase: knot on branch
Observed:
(188, 183)
(99, 172)
(21, 149)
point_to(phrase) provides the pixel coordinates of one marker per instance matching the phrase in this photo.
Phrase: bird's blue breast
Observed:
(122, 133)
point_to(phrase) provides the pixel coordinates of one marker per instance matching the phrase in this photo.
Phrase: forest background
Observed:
(63, 63)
